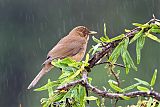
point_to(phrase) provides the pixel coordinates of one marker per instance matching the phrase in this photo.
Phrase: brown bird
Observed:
(73, 45)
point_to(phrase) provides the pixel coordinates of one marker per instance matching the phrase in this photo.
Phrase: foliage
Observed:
(76, 95)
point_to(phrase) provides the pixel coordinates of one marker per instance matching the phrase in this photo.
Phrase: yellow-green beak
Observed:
(92, 32)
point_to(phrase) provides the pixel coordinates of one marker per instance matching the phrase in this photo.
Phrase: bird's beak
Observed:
(92, 32)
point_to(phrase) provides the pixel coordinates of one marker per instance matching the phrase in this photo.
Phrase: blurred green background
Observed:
(29, 29)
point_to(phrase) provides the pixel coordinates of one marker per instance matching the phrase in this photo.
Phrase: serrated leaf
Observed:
(131, 87)
(116, 52)
(96, 48)
(96, 40)
(50, 90)
(152, 37)
(137, 24)
(104, 39)
(117, 38)
(155, 30)
(154, 78)
(126, 30)
(126, 42)
(125, 97)
(141, 25)
(139, 46)
(68, 93)
(136, 36)
(65, 74)
(150, 101)
(70, 78)
(142, 82)
(115, 87)
(86, 60)
(130, 61)
(98, 102)
(105, 32)
(145, 89)
(90, 98)
(45, 87)
(81, 95)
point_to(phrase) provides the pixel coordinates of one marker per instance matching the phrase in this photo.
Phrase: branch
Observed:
(107, 94)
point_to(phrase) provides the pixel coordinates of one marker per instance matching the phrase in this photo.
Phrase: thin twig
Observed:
(116, 64)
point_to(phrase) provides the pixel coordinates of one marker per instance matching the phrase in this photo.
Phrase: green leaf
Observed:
(126, 30)
(50, 90)
(96, 40)
(48, 85)
(116, 52)
(81, 95)
(114, 86)
(152, 37)
(130, 61)
(131, 87)
(69, 93)
(126, 42)
(123, 54)
(150, 101)
(86, 60)
(90, 98)
(141, 25)
(158, 105)
(142, 82)
(104, 39)
(98, 102)
(96, 48)
(139, 46)
(136, 36)
(137, 24)
(155, 30)
(145, 89)
(117, 38)
(65, 75)
(125, 97)
(154, 78)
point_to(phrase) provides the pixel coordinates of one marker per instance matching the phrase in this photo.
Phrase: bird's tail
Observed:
(44, 70)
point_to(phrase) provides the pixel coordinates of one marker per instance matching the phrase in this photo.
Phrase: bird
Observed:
(73, 45)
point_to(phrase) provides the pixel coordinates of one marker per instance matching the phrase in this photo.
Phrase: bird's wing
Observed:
(66, 49)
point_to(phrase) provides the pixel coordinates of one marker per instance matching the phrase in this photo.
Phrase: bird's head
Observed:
(82, 31)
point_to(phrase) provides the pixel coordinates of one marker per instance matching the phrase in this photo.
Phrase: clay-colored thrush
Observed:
(73, 45)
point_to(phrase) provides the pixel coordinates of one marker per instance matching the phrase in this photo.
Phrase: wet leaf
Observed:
(116, 52)
(152, 37)
(145, 89)
(125, 97)
(130, 61)
(131, 87)
(155, 30)
(136, 36)
(117, 38)
(115, 87)
(154, 78)
(142, 82)
(96, 40)
(91, 98)
(48, 85)
(139, 46)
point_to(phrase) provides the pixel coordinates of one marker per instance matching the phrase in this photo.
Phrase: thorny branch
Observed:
(93, 62)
